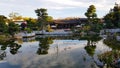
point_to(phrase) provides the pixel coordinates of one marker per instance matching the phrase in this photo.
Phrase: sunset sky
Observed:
(56, 8)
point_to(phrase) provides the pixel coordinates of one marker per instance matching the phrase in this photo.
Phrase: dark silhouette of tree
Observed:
(2, 55)
(44, 45)
(13, 28)
(31, 23)
(14, 47)
(91, 13)
(93, 21)
(42, 15)
(112, 19)
(91, 44)
(3, 26)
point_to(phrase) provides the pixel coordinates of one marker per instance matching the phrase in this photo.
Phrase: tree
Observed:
(108, 20)
(91, 13)
(44, 44)
(49, 19)
(3, 26)
(112, 19)
(31, 23)
(13, 28)
(15, 16)
(42, 15)
(93, 21)
(116, 15)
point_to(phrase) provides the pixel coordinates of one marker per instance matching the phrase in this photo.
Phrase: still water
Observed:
(50, 52)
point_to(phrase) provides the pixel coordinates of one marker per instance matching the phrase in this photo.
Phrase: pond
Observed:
(49, 52)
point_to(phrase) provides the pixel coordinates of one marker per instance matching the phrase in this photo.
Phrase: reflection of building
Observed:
(68, 23)
(28, 39)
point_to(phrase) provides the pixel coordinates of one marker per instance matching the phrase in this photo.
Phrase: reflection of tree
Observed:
(2, 55)
(44, 45)
(111, 58)
(90, 50)
(4, 44)
(91, 44)
(3, 47)
(93, 39)
(13, 46)
(112, 43)
(31, 39)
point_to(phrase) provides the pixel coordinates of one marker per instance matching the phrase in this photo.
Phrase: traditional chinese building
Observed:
(68, 23)
(19, 22)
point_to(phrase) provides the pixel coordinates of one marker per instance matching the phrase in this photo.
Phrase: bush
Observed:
(28, 30)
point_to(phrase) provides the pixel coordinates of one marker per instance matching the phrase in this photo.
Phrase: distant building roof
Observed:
(70, 21)
(19, 22)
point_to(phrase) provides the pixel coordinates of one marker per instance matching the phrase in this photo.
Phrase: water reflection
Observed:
(14, 47)
(31, 39)
(91, 44)
(111, 58)
(91, 47)
(44, 44)
(90, 50)
(52, 52)
(2, 55)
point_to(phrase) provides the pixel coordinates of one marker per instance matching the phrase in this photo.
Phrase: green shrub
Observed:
(28, 30)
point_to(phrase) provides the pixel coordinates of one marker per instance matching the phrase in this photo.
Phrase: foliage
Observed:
(3, 26)
(91, 44)
(4, 38)
(112, 43)
(110, 58)
(44, 45)
(86, 28)
(31, 23)
(14, 47)
(43, 18)
(90, 50)
(49, 19)
(91, 12)
(49, 29)
(42, 15)
(13, 28)
(93, 22)
(112, 19)
(15, 16)
(28, 30)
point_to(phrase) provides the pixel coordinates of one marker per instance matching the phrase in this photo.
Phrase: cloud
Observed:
(27, 7)
(59, 4)
(66, 2)
(102, 5)
(80, 3)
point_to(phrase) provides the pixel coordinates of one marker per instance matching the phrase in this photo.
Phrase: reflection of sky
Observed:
(62, 54)
(101, 48)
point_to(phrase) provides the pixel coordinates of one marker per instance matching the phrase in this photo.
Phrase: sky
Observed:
(56, 8)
